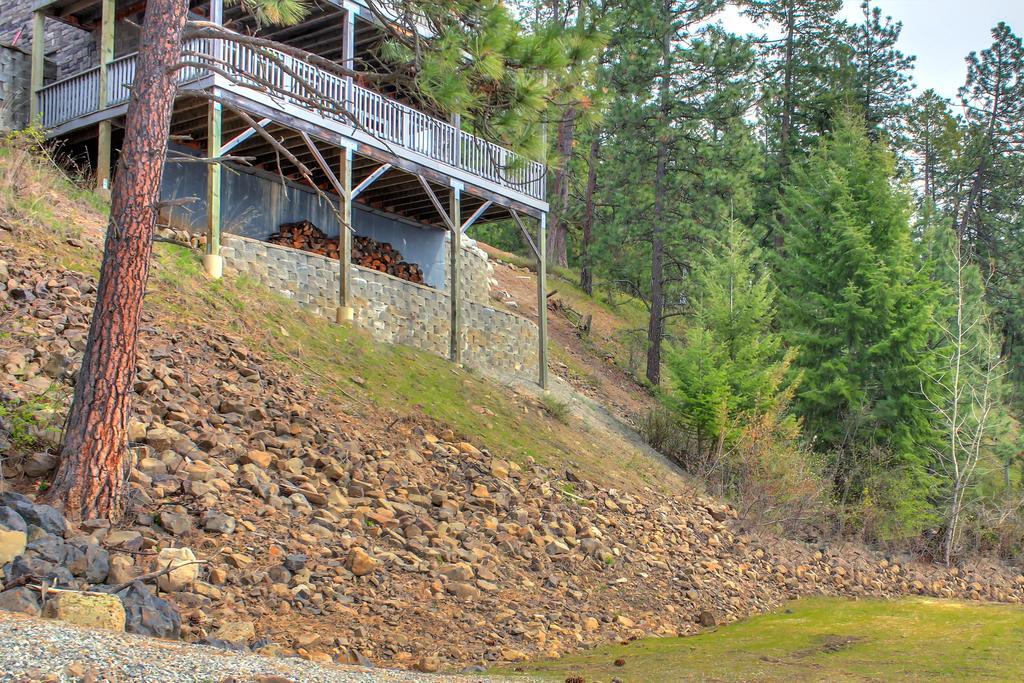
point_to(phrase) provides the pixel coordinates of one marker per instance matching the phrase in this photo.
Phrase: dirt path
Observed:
(586, 365)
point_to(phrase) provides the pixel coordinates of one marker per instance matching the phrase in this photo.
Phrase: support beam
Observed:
(448, 222)
(476, 214)
(322, 163)
(242, 137)
(345, 311)
(455, 221)
(38, 63)
(348, 46)
(212, 261)
(370, 180)
(526, 233)
(542, 302)
(103, 143)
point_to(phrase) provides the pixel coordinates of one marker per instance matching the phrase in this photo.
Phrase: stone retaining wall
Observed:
(392, 310)
(15, 78)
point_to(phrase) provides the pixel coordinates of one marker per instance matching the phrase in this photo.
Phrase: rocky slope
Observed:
(362, 537)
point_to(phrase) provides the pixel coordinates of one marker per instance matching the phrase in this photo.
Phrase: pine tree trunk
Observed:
(558, 231)
(586, 267)
(656, 322)
(90, 481)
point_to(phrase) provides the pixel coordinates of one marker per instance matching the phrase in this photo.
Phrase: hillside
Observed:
(363, 502)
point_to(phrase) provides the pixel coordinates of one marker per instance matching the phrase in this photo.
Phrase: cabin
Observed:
(373, 178)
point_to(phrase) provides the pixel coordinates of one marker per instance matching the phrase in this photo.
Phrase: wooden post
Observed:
(38, 63)
(103, 143)
(542, 302)
(455, 220)
(348, 47)
(345, 311)
(212, 261)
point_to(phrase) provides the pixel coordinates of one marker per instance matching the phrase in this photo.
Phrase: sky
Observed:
(940, 32)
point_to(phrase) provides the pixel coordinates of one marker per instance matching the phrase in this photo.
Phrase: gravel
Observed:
(37, 649)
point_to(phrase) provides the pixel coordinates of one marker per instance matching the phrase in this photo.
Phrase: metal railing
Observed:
(328, 95)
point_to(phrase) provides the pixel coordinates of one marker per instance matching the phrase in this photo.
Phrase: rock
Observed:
(90, 561)
(623, 620)
(24, 600)
(360, 563)
(43, 516)
(428, 664)
(259, 458)
(295, 562)
(86, 609)
(127, 539)
(707, 619)
(235, 632)
(279, 574)
(183, 576)
(218, 522)
(148, 615)
(39, 464)
(591, 624)
(162, 438)
(121, 570)
(38, 569)
(462, 590)
(13, 536)
(460, 571)
(177, 523)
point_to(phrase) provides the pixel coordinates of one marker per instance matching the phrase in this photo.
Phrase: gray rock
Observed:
(177, 523)
(148, 615)
(88, 560)
(279, 574)
(38, 569)
(295, 562)
(44, 516)
(24, 600)
(49, 548)
(11, 520)
(218, 522)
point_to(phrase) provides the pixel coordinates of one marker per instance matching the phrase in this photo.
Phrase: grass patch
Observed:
(824, 639)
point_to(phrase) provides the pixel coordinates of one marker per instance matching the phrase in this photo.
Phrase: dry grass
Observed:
(51, 216)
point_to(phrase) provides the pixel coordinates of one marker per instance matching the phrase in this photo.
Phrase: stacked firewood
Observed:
(366, 252)
(306, 236)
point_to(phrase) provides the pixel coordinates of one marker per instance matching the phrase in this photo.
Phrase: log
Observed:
(366, 252)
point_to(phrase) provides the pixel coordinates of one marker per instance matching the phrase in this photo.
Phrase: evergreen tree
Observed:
(682, 155)
(934, 141)
(731, 364)
(858, 306)
(882, 72)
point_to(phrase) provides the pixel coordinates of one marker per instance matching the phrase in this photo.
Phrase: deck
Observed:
(315, 95)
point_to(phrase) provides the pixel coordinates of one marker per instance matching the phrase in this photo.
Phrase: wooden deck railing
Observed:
(330, 96)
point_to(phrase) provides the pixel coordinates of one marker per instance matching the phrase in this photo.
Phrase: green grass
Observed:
(820, 639)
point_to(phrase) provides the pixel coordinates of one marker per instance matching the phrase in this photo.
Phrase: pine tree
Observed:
(882, 72)
(682, 155)
(731, 364)
(857, 304)
(934, 140)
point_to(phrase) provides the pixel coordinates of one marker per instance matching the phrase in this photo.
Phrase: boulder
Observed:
(43, 516)
(360, 563)
(86, 609)
(24, 600)
(148, 615)
(235, 632)
(122, 569)
(177, 523)
(13, 536)
(218, 522)
(183, 576)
